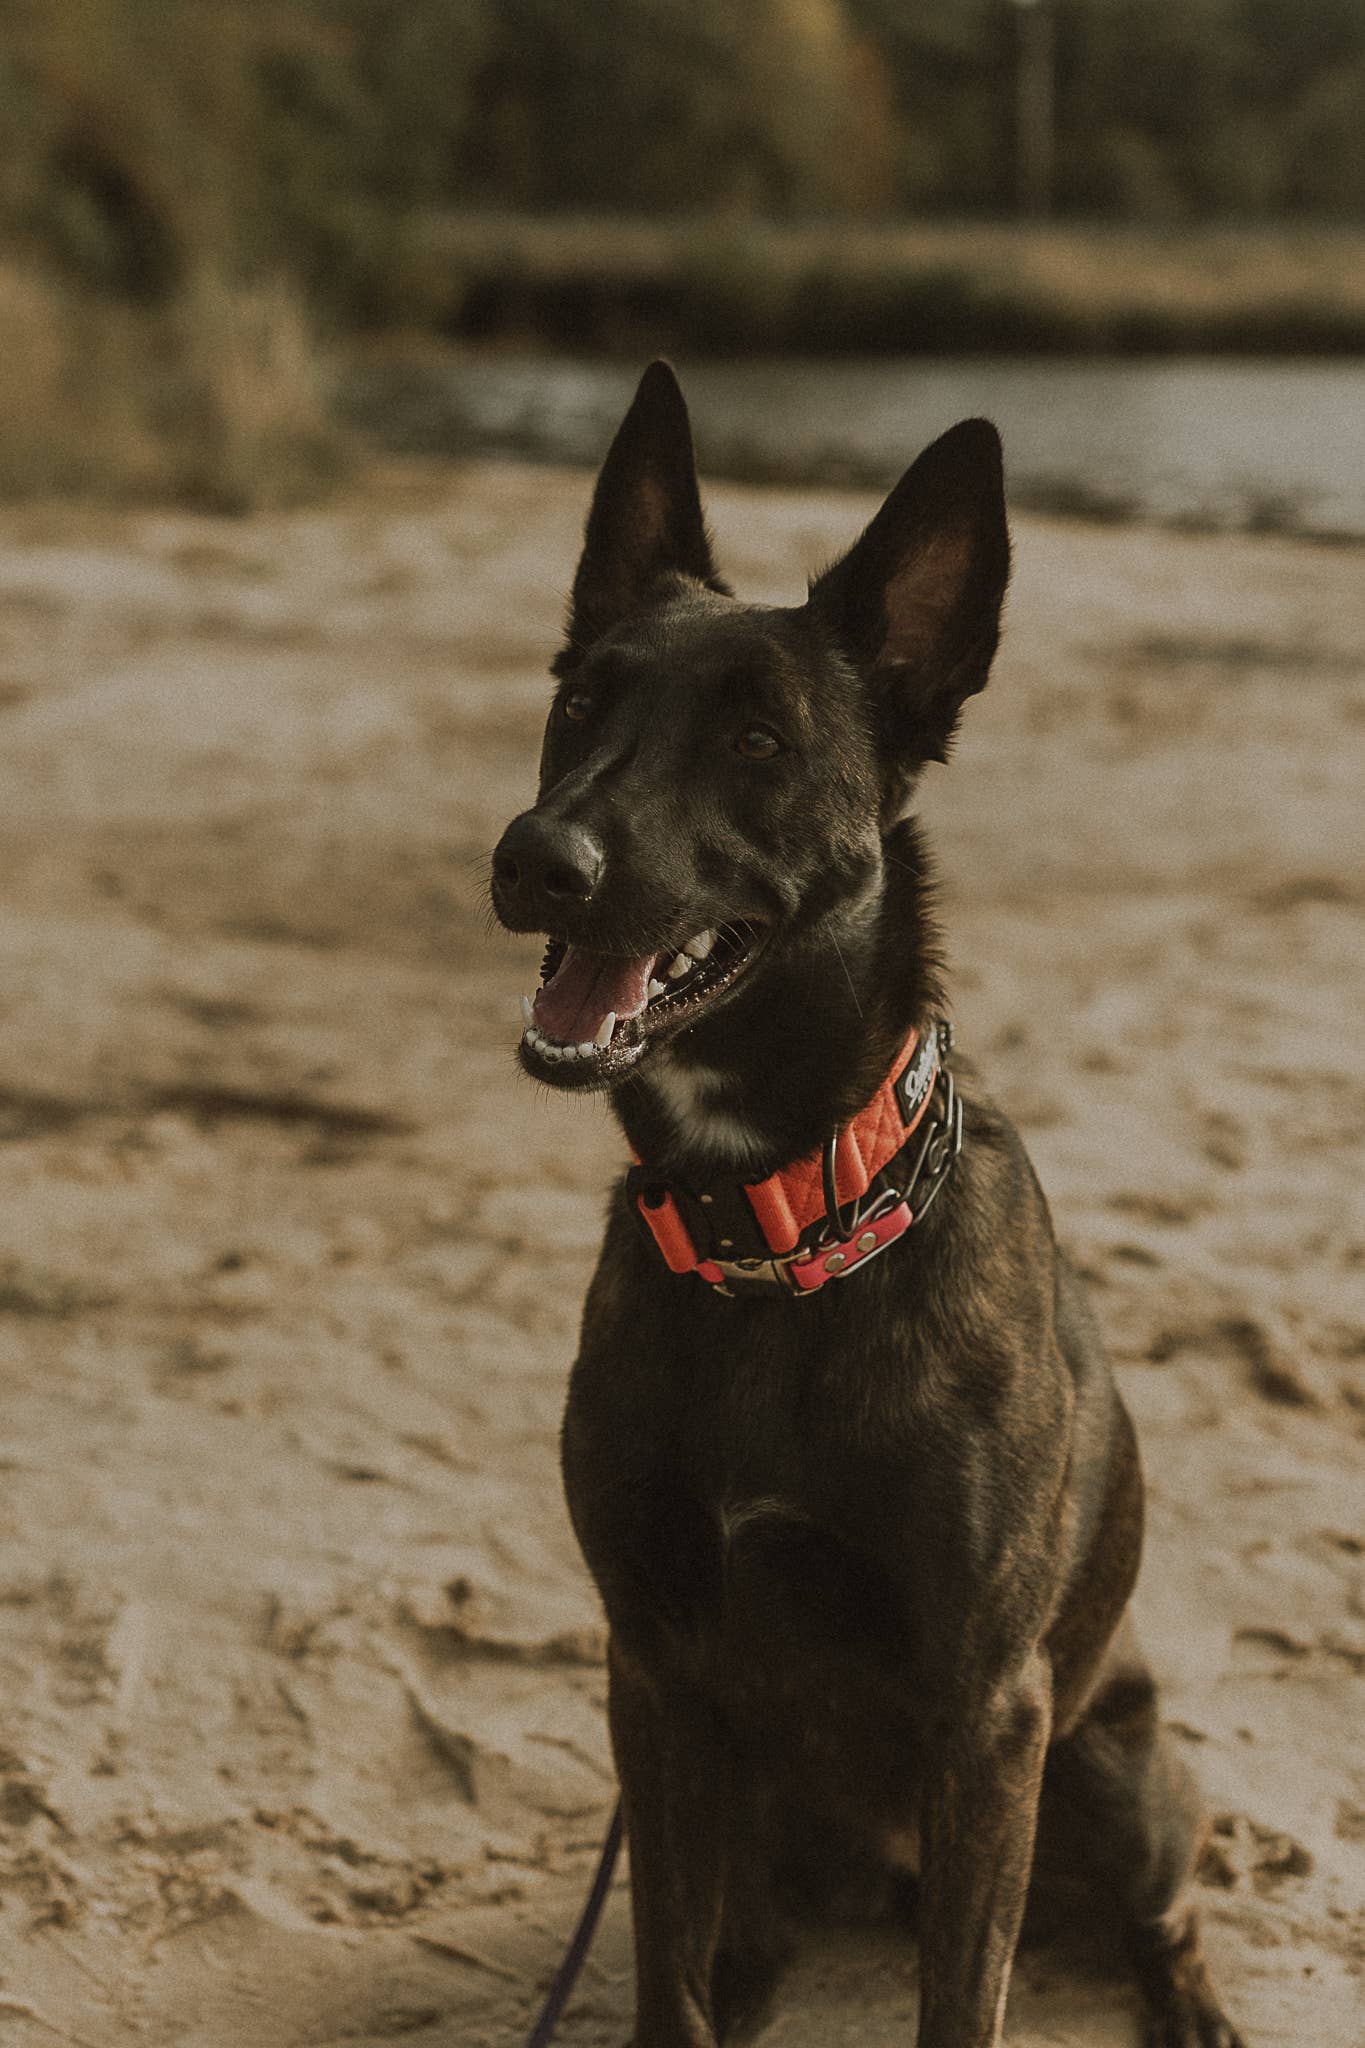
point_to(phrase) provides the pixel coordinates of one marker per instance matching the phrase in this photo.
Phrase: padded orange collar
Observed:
(783, 1231)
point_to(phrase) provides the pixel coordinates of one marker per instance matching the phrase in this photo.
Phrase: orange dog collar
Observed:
(813, 1221)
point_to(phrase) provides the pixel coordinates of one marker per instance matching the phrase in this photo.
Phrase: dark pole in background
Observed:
(1033, 108)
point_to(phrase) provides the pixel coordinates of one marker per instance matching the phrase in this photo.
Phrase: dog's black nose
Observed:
(544, 864)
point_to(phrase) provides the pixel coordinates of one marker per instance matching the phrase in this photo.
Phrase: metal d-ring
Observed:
(833, 1212)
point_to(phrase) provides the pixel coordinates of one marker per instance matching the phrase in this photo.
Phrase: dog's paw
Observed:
(1182, 2005)
(1185, 2025)
(743, 1985)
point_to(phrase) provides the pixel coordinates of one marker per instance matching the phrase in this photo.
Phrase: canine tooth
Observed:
(680, 966)
(698, 948)
(605, 1029)
(656, 988)
(527, 1012)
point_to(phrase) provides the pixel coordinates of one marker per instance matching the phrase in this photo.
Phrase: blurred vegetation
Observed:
(142, 138)
(192, 191)
(597, 285)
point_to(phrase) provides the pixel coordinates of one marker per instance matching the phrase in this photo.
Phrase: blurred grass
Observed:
(222, 398)
(188, 197)
(856, 287)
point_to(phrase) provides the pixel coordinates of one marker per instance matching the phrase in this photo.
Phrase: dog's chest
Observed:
(786, 1586)
(804, 1637)
(763, 1586)
(753, 1514)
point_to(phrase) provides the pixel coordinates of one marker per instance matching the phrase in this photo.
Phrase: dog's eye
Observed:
(758, 744)
(577, 706)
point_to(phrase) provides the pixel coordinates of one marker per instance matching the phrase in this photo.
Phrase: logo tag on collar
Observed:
(916, 1077)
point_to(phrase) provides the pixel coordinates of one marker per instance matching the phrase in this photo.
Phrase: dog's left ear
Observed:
(915, 603)
(646, 517)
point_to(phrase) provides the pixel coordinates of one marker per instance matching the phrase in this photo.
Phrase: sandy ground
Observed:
(302, 1679)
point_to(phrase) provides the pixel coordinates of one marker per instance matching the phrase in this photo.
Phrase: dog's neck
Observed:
(800, 1053)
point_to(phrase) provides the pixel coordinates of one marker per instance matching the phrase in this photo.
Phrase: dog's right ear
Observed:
(646, 518)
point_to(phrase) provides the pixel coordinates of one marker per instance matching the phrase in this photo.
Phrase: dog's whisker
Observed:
(847, 976)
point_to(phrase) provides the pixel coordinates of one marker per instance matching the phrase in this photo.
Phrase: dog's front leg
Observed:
(980, 1810)
(674, 1775)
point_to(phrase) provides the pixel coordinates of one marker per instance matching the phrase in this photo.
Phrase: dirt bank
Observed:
(303, 1737)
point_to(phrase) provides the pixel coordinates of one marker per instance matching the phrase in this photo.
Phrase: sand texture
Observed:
(303, 1738)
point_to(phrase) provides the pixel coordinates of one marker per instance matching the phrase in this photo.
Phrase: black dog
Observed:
(864, 1537)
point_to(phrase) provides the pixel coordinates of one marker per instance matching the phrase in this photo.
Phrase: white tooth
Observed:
(586, 1048)
(681, 965)
(526, 1010)
(605, 1029)
(568, 1052)
(699, 947)
(656, 988)
(551, 1050)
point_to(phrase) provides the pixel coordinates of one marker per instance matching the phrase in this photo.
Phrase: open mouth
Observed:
(595, 1013)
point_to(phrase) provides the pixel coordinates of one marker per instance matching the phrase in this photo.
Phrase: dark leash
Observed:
(566, 1976)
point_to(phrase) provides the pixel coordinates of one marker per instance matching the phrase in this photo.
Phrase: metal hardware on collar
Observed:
(740, 1275)
(844, 1249)
(912, 1087)
(941, 1145)
(952, 1140)
(803, 1271)
(833, 1211)
(809, 1275)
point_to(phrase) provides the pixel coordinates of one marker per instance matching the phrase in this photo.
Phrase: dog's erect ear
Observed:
(915, 603)
(646, 518)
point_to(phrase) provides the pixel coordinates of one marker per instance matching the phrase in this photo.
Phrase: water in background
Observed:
(1263, 446)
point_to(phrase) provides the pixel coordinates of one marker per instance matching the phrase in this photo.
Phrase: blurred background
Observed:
(234, 236)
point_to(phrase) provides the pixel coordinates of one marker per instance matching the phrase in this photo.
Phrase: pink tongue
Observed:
(585, 987)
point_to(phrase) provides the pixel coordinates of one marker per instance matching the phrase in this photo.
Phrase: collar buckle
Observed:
(742, 1276)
